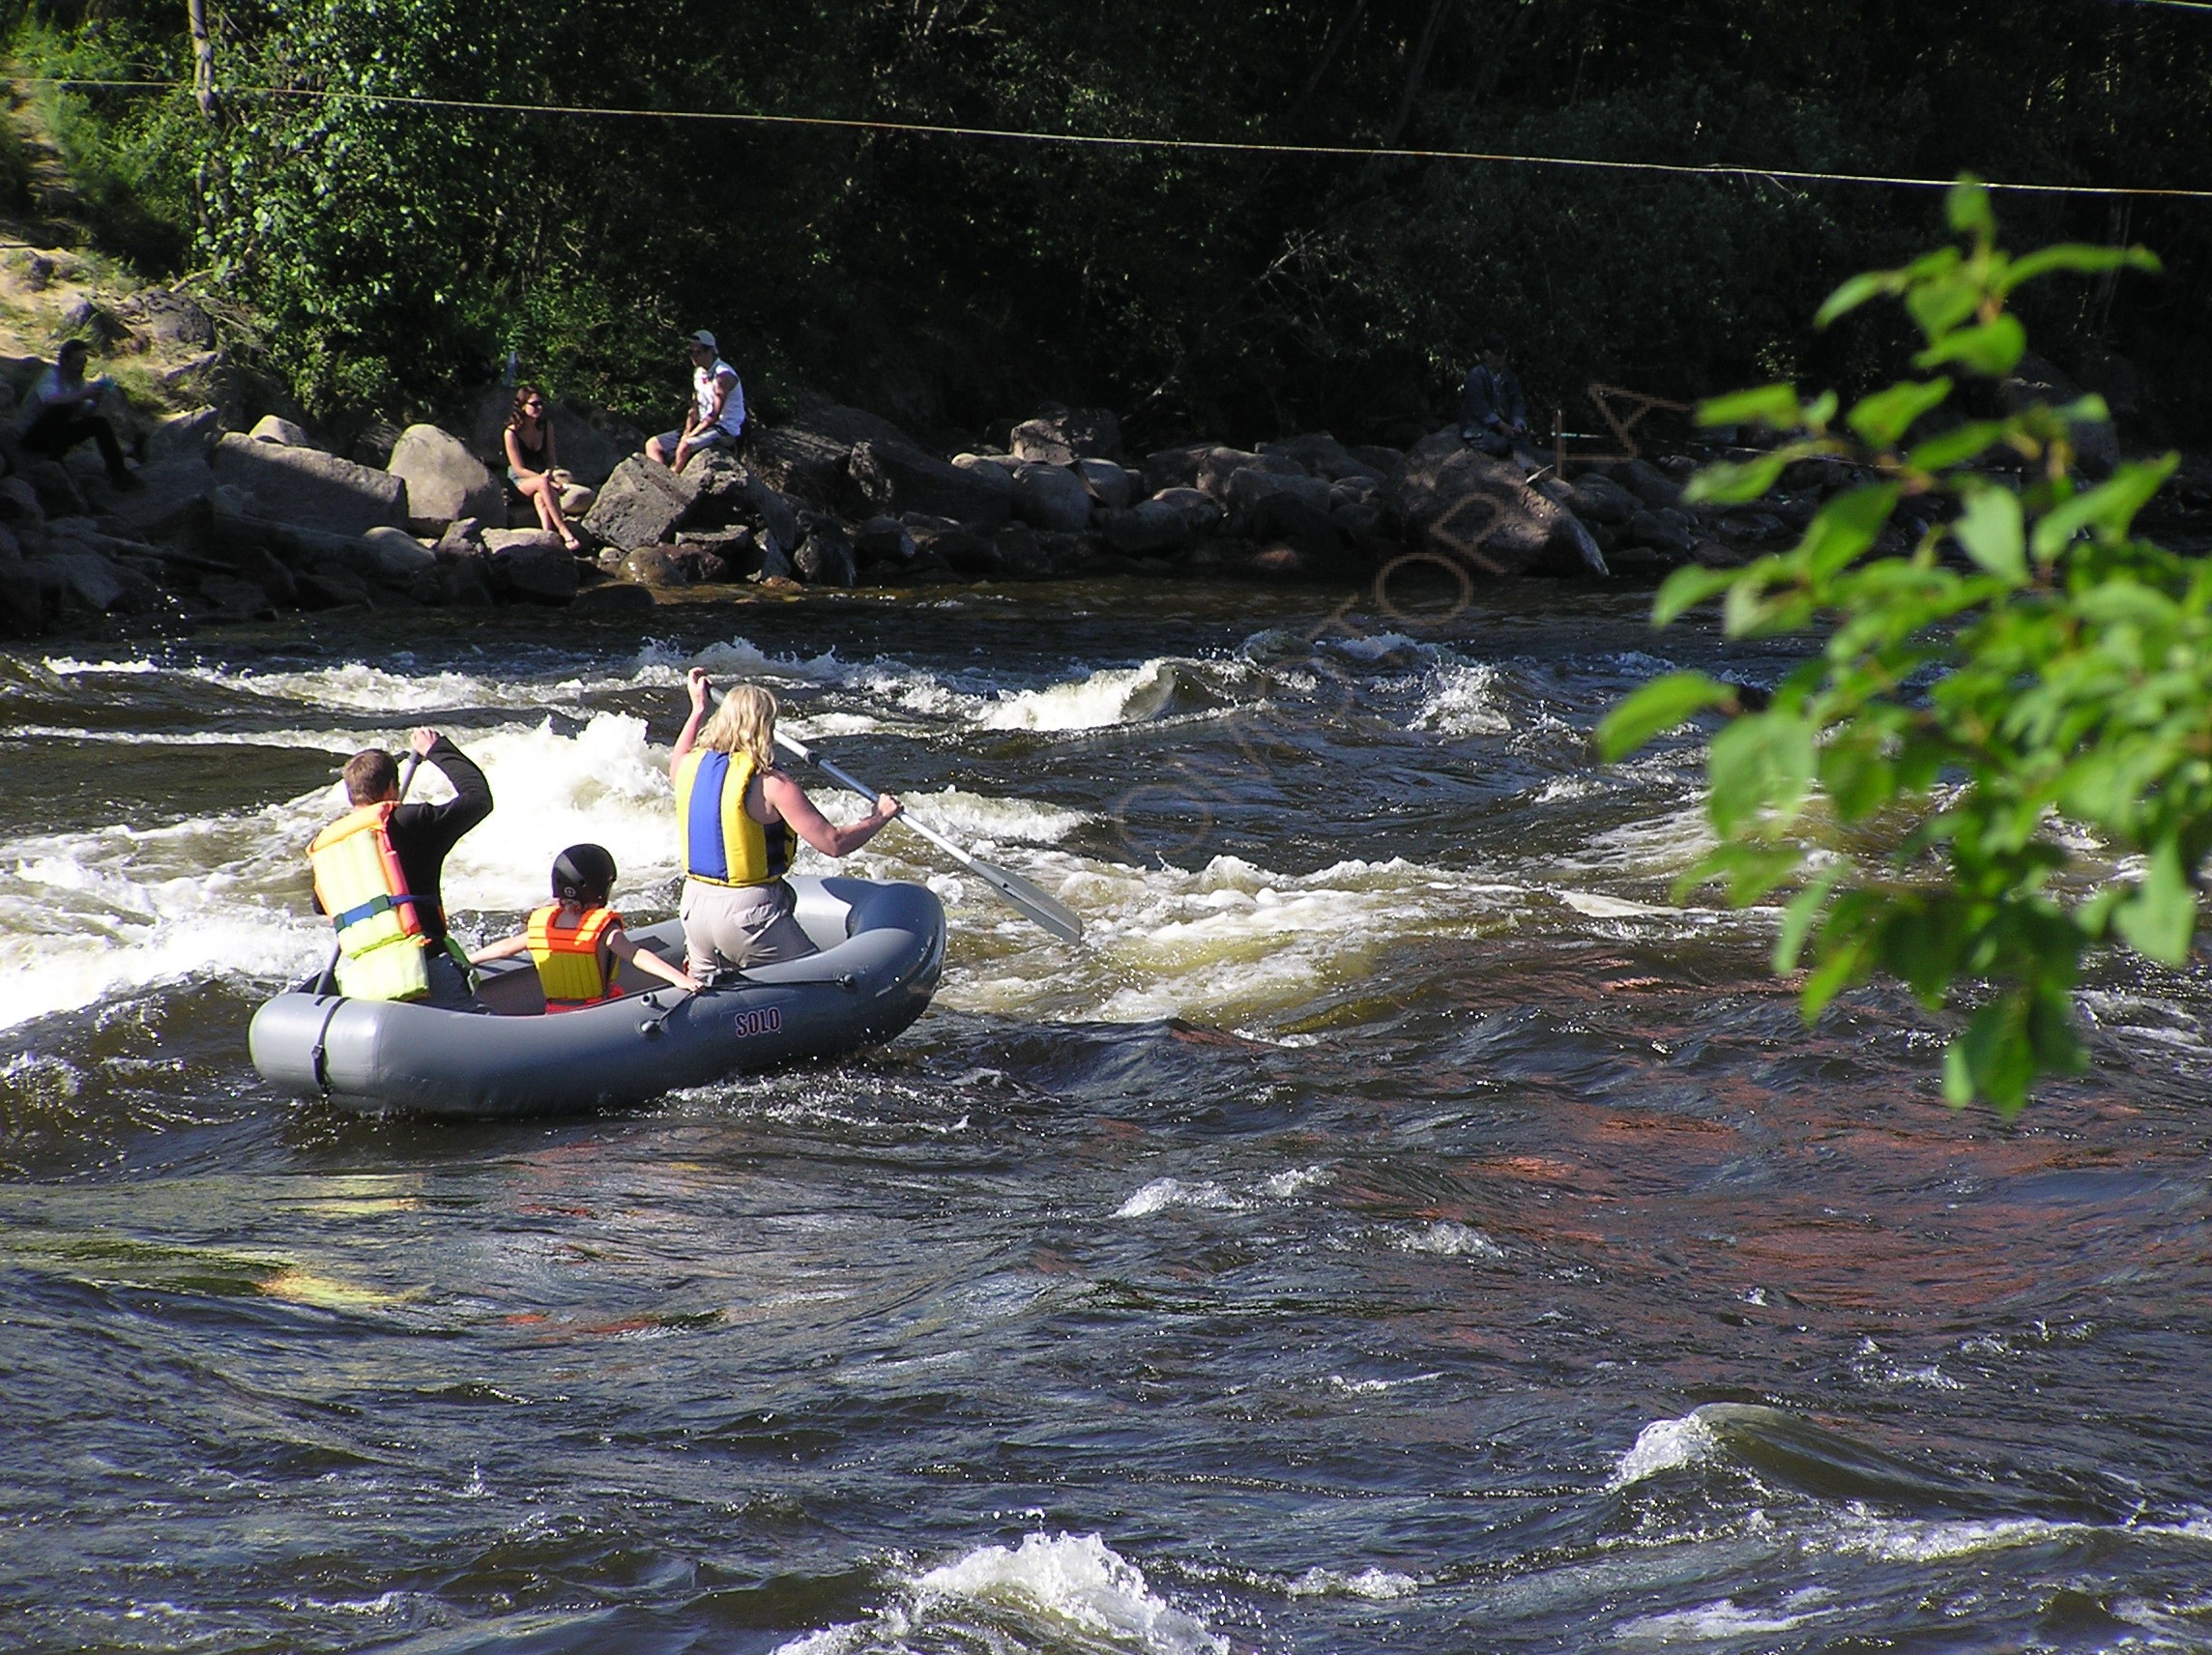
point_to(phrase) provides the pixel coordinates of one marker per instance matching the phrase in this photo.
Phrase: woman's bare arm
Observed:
(695, 682)
(789, 801)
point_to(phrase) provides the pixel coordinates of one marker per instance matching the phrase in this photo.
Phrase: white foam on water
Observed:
(1077, 1580)
(345, 742)
(1282, 1185)
(1596, 906)
(1667, 1446)
(1163, 1193)
(1116, 695)
(976, 819)
(1377, 1585)
(88, 915)
(69, 666)
(1468, 700)
(1708, 1623)
(1073, 1591)
(1449, 1240)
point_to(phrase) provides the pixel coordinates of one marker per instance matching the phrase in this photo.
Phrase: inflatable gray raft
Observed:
(882, 946)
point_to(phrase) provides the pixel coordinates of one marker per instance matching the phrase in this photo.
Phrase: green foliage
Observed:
(2023, 665)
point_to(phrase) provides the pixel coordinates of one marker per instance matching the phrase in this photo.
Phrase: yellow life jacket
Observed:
(358, 881)
(568, 960)
(722, 844)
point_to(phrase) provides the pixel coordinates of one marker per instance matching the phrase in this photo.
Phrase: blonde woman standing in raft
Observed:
(738, 813)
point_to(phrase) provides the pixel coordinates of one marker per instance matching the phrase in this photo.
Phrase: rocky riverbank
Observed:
(238, 514)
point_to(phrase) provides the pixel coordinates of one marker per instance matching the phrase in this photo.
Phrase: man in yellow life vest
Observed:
(377, 874)
(576, 939)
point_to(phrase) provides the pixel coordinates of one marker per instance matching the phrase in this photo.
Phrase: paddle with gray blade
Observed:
(1055, 917)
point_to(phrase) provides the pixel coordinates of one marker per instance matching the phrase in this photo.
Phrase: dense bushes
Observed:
(397, 250)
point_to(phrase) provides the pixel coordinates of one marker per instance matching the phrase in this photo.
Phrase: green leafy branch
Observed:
(2024, 663)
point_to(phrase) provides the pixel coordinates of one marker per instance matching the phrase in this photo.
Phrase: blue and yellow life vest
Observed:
(358, 881)
(568, 958)
(722, 844)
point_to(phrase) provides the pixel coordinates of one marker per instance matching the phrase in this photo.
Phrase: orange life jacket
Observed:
(569, 959)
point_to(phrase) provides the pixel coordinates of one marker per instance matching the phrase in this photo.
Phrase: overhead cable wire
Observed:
(1117, 142)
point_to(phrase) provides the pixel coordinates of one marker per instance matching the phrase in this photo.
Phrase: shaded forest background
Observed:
(393, 257)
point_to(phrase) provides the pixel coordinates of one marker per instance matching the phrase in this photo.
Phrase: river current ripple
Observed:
(1402, 1225)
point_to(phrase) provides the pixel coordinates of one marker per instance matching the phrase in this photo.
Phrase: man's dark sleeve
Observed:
(442, 825)
(1515, 406)
(1475, 407)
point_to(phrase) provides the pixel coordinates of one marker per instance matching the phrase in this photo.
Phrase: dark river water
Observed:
(1400, 1226)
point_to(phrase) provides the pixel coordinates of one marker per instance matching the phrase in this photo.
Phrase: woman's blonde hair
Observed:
(744, 723)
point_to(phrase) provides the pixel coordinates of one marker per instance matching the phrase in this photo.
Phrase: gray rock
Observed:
(1109, 483)
(530, 565)
(398, 555)
(11, 548)
(720, 491)
(58, 495)
(237, 599)
(899, 477)
(19, 501)
(809, 456)
(1061, 436)
(171, 496)
(1200, 510)
(1288, 518)
(466, 582)
(776, 521)
(612, 600)
(373, 447)
(824, 559)
(883, 540)
(961, 550)
(1050, 497)
(991, 470)
(184, 436)
(1459, 503)
(1647, 481)
(310, 489)
(641, 504)
(270, 428)
(83, 580)
(1251, 486)
(1320, 454)
(330, 586)
(22, 602)
(1649, 529)
(1216, 466)
(463, 538)
(444, 479)
(164, 317)
(1598, 499)
(1385, 461)
(1149, 526)
(576, 500)
(1174, 468)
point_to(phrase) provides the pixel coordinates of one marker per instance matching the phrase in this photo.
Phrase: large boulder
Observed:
(1110, 483)
(172, 320)
(399, 556)
(1061, 436)
(720, 491)
(1175, 468)
(774, 518)
(1322, 455)
(183, 436)
(531, 564)
(444, 479)
(1253, 484)
(899, 477)
(809, 456)
(1150, 526)
(1050, 497)
(826, 556)
(284, 433)
(641, 504)
(1459, 503)
(171, 497)
(310, 489)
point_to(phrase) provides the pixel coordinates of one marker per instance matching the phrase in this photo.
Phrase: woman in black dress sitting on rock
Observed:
(531, 459)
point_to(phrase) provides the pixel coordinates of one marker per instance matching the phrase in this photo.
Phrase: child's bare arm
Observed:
(504, 949)
(619, 946)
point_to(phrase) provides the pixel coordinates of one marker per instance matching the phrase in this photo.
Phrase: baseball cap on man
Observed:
(705, 339)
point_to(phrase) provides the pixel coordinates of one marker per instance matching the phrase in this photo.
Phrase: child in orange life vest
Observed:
(576, 940)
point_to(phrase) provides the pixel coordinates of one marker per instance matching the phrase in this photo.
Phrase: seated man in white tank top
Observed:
(717, 416)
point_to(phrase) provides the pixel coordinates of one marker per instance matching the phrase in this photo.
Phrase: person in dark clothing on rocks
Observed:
(421, 837)
(1493, 413)
(61, 416)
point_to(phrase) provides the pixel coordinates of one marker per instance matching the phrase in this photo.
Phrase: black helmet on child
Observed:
(581, 871)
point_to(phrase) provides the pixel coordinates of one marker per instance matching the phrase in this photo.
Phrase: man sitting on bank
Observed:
(377, 874)
(718, 416)
(1493, 413)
